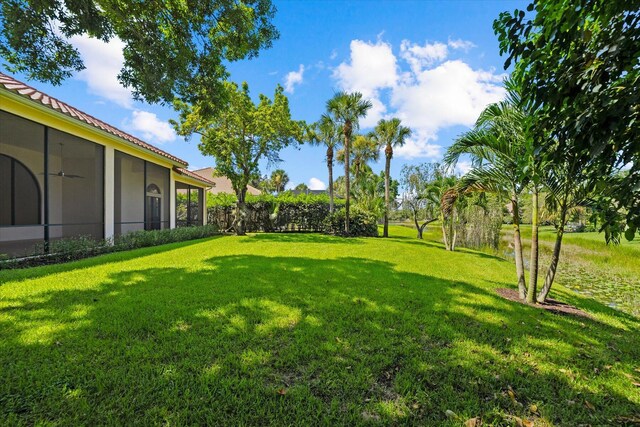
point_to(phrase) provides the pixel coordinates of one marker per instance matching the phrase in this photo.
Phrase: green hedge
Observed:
(361, 223)
(80, 247)
(281, 213)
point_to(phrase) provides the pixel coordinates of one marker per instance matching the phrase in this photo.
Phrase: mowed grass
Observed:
(301, 329)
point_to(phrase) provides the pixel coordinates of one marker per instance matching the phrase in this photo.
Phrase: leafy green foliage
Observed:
(346, 110)
(242, 134)
(579, 67)
(328, 133)
(75, 248)
(282, 212)
(172, 49)
(389, 134)
(361, 223)
(279, 180)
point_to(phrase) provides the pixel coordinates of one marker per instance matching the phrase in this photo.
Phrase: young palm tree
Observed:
(567, 189)
(347, 109)
(363, 150)
(389, 134)
(279, 180)
(326, 132)
(499, 149)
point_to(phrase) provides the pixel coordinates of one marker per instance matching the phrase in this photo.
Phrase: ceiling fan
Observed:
(61, 172)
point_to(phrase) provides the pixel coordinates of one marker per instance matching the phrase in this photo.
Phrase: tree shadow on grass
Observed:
(249, 339)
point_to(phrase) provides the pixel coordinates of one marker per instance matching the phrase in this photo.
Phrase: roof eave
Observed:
(73, 121)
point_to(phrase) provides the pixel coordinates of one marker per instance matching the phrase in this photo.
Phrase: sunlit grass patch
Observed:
(303, 330)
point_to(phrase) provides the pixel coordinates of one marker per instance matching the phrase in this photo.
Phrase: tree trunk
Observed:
(387, 170)
(347, 135)
(415, 221)
(533, 263)
(444, 232)
(555, 258)
(423, 226)
(330, 167)
(517, 245)
(241, 212)
(453, 234)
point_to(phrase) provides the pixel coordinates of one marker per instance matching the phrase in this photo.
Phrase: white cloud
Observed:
(463, 166)
(316, 184)
(448, 95)
(420, 57)
(419, 147)
(103, 62)
(293, 78)
(372, 67)
(150, 127)
(427, 91)
(464, 45)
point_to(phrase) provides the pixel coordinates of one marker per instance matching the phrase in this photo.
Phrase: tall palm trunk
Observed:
(347, 137)
(533, 264)
(330, 167)
(387, 170)
(555, 258)
(517, 245)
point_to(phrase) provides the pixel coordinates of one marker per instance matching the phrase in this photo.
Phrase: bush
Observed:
(361, 224)
(282, 213)
(75, 248)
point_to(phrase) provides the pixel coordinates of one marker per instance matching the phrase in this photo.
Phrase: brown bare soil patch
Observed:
(552, 305)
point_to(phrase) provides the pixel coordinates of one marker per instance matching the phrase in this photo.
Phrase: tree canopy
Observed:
(242, 134)
(172, 49)
(578, 64)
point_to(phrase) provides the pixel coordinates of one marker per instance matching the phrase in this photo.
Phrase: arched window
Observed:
(153, 189)
(19, 193)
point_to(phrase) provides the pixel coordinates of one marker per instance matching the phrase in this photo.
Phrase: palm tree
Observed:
(363, 150)
(390, 134)
(443, 192)
(347, 109)
(326, 132)
(567, 189)
(499, 149)
(279, 180)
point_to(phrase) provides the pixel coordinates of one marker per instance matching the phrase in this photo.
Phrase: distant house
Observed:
(222, 184)
(308, 191)
(64, 173)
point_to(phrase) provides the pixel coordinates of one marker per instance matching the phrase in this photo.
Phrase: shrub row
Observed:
(282, 213)
(75, 248)
(361, 223)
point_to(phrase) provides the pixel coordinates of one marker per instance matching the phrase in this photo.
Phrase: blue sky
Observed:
(434, 64)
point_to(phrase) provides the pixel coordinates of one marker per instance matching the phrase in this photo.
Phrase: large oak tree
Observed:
(175, 49)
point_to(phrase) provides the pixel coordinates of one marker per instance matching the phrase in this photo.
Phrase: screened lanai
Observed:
(65, 174)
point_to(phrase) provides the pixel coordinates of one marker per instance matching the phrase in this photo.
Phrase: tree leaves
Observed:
(578, 66)
(173, 50)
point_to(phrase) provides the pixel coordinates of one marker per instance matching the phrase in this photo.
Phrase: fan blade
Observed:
(73, 176)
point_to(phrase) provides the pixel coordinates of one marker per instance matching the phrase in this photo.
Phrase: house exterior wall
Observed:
(91, 202)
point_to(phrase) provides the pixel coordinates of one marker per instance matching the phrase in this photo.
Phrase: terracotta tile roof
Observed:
(222, 184)
(194, 175)
(13, 85)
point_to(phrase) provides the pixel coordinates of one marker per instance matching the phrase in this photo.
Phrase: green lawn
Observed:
(304, 330)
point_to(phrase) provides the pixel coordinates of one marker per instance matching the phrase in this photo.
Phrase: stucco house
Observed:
(65, 173)
(222, 184)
